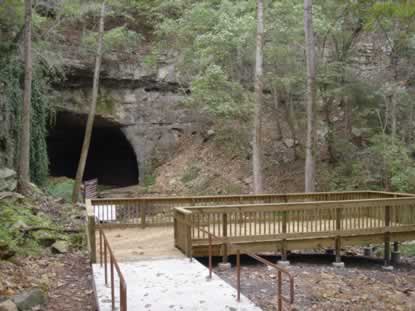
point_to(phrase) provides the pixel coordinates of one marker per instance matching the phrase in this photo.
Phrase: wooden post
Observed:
(338, 249)
(338, 238)
(143, 213)
(284, 241)
(225, 234)
(387, 236)
(100, 247)
(188, 236)
(175, 228)
(210, 256)
(396, 255)
(91, 232)
(238, 275)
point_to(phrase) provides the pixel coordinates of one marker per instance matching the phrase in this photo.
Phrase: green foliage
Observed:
(346, 176)
(39, 162)
(60, 188)
(216, 94)
(11, 74)
(118, 38)
(149, 180)
(13, 219)
(216, 42)
(11, 19)
(105, 103)
(386, 164)
(78, 241)
(151, 59)
(408, 250)
(391, 161)
(233, 139)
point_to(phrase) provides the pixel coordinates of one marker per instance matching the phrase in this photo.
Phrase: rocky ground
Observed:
(50, 283)
(43, 261)
(362, 285)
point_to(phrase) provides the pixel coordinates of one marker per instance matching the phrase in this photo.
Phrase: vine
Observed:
(11, 74)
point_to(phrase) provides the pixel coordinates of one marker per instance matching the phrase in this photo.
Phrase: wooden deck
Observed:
(138, 244)
(294, 226)
(263, 223)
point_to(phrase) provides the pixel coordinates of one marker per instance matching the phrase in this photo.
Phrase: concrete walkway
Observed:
(171, 284)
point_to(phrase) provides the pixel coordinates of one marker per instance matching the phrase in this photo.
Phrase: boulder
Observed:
(8, 180)
(44, 237)
(8, 305)
(20, 225)
(5, 251)
(11, 196)
(60, 247)
(30, 299)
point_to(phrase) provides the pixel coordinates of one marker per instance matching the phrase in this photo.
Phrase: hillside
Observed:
(156, 98)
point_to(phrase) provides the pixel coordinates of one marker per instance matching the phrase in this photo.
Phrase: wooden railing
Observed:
(105, 251)
(149, 211)
(299, 220)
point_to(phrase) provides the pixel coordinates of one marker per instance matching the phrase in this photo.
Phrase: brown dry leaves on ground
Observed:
(67, 278)
(322, 287)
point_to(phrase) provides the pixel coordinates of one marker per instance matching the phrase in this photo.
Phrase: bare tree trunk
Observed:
(91, 115)
(310, 160)
(276, 99)
(348, 116)
(330, 129)
(257, 131)
(394, 125)
(23, 185)
(410, 125)
(292, 124)
(393, 103)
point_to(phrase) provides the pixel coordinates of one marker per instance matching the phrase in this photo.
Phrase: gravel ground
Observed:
(362, 285)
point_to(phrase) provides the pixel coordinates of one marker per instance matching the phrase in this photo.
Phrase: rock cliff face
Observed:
(146, 105)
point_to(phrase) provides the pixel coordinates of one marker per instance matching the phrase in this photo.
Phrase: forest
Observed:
(195, 97)
(350, 118)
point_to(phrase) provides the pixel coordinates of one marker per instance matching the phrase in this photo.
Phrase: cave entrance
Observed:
(111, 158)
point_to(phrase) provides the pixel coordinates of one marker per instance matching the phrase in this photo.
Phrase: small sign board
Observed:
(105, 213)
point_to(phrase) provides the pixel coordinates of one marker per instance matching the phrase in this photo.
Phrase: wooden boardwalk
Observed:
(138, 244)
(148, 235)
(257, 223)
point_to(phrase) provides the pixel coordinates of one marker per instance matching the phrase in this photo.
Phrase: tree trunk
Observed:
(292, 123)
(277, 106)
(257, 131)
(410, 125)
(310, 161)
(23, 185)
(330, 129)
(91, 115)
(394, 121)
(393, 104)
(348, 116)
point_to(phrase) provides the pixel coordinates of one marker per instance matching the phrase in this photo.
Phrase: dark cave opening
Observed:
(111, 158)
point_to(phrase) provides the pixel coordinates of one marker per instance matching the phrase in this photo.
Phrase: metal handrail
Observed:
(280, 297)
(105, 250)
